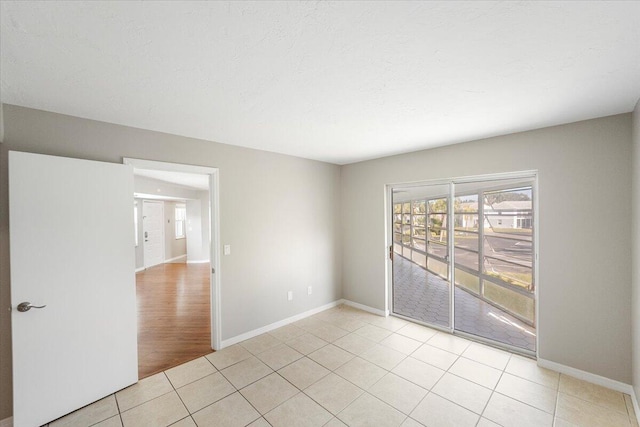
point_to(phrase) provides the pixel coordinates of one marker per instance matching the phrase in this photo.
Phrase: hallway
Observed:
(173, 303)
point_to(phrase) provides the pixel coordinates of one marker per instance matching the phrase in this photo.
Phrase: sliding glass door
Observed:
(478, 234)
(421, 285)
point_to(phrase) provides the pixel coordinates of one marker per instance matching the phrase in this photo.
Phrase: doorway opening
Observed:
(477, 233)
(176, 227)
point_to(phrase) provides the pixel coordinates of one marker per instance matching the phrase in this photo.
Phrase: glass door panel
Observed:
(494, 261)
(421, 285)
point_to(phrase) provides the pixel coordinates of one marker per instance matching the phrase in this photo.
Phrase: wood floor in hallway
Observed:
(173, 316)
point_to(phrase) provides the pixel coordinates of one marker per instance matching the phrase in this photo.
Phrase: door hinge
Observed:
(391, 252)
(213, 271)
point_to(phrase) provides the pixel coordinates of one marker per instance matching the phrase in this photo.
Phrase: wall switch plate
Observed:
(290, 295)
(227, 249)
(309, 290)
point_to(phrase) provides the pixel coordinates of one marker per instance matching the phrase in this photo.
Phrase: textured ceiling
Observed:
(333, 81)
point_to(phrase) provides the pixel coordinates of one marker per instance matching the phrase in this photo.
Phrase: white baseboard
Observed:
(198, 261)
(7, 422)
(276, 325)
(366, 308)
(587, 376)
(175, 258)
(636, 407)
(137, 271)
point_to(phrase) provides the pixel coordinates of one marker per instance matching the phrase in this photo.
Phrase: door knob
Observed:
(26, 306)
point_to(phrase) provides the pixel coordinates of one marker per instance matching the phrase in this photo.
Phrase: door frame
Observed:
(388, 227)
(214, 252)
(144, 258)
(450, 269)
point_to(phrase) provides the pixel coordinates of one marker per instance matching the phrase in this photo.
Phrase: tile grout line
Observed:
(247, 385)
(591, 402)
(118, 406)
(333, 372)
(327, 409)
(412, 409)
(493, 391)
(260, 415)
(504, 371)
(431, 391)
(437, 367)
(178, 394)
(146, 401)
(555, 407)
(236, 390)
(391, 372)
(300, 391)
(190, 382)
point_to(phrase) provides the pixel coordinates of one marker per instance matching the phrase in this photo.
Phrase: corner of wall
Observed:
(340, 232)
(635, 264)
(1, 123)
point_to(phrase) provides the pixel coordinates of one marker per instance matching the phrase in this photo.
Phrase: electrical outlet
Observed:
(309, 290)
(290, 296)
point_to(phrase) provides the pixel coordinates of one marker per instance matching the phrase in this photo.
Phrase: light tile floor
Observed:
(348, 367)
(424, 296)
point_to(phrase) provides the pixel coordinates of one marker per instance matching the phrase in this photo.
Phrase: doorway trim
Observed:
(388, 227)
(214, 206)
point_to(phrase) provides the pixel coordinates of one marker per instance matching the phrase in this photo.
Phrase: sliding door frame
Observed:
(527, 174)
(389, 248)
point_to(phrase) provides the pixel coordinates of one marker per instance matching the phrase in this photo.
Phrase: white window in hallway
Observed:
(181, 216)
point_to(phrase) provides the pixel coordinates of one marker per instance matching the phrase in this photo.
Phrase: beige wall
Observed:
(635, 252)
(280, 214)
(172, 247)
(197, 243)
(144, 185)
(584, 174)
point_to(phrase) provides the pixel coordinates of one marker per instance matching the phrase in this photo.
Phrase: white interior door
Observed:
(72, 249)
(153, 232)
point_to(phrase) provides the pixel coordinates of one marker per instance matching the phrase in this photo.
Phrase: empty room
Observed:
(334, 213)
